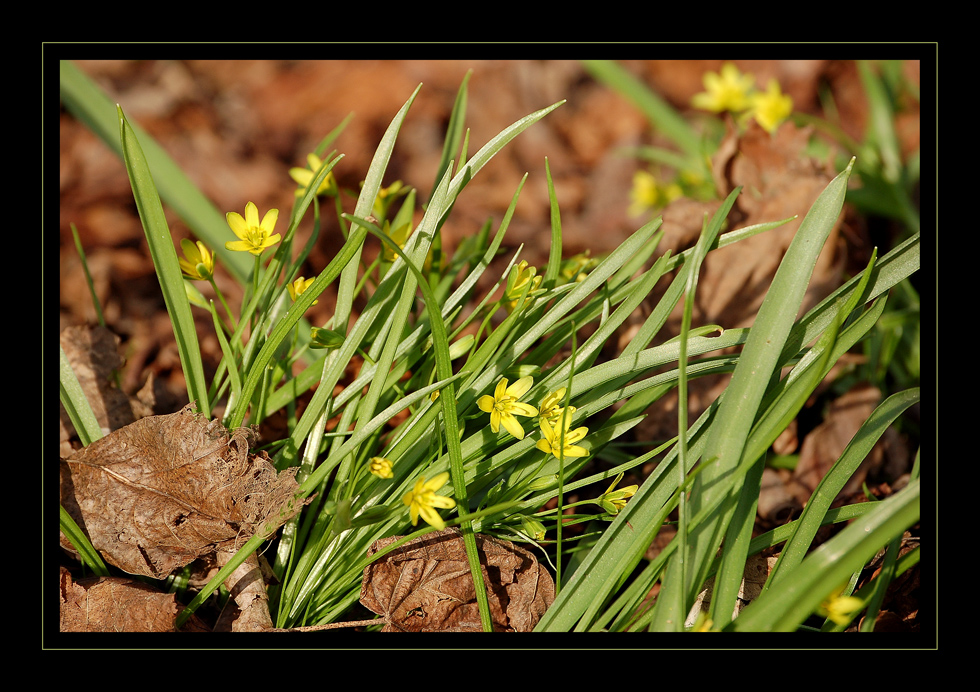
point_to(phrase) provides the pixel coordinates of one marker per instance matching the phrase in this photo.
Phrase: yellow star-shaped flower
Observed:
(728, 91)
(504, 405)
(840, 608)
(304, 176)
(615, 500)
(551, 405)
(422, 500)
(298, 287)
(520, 275)
(772, 107)
(253, 237)
(552, 442)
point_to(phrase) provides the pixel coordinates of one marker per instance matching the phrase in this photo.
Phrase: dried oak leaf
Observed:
(114, 604)
(426, 585)
(778, 181)
(165, 490)
(93, 355)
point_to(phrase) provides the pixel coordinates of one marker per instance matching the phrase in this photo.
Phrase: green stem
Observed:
(224, 304)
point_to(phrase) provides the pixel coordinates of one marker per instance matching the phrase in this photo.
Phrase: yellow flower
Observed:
(399, 236)
(728, 91)
(253, 236)
(577, 267)
(304, 176)
(840, 608)
(615, 500)
(504, 405)
(644, 194)
(422, 498)
(386, 196)
(298, 288)
(198, 261)
(551, 406)
(772, 107)
(520, 275)
(551, 440)
(380, 467)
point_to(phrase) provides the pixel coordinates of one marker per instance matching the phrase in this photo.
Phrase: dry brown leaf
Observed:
(757, 568)
(825, 443)
(248, 608)
(426, 585)
(93, 356)
(777, 501)
(160, 492)
(778, 181)
(114, 604)
(93, 353)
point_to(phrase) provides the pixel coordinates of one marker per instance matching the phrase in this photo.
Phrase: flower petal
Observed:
(512, 426)
(437, 481)
(521, 409)
(269, 221)
(442, 502)
(239, 246)
(500, 391)
(431, 517)
(519, 388)
(271, 240)
(485, 403)
(302, 176)
(251, 214)
(237, 224)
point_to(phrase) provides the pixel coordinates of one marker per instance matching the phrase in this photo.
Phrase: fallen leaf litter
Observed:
(165, 490)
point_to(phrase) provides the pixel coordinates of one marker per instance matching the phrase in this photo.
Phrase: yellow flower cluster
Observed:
(557, 436)
(735, 92)
(520, 276)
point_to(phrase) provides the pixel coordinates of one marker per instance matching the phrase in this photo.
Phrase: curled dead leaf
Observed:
(115, 604)
(426, 585)
(165, 490)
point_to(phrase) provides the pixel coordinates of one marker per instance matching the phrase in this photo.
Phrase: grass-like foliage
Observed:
(477, 408)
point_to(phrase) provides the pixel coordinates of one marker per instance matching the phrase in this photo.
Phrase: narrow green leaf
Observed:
(554, 254)
(759, 361)
(340, 266)
(164, 256)
(88, 554)
(76, 405)
(454, 132)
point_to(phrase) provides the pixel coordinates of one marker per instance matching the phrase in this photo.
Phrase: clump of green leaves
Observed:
(428, 428)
